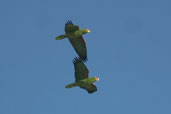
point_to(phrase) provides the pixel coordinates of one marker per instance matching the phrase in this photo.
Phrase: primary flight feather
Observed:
(74, 35)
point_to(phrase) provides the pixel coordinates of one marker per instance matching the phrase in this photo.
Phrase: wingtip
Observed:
(69, 22)
(85, 59)
(77, 59)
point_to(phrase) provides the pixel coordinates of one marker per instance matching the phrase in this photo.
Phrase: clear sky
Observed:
(129, 49)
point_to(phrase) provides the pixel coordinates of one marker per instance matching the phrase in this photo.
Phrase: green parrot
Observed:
(74, 35)
(81, 77)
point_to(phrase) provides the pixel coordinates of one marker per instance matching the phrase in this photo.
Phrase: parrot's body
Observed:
(74, 35)
(81, 77)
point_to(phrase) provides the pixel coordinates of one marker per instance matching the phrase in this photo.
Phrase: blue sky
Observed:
(128, 49)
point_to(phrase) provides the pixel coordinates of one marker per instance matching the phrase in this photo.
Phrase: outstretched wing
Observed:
(91, 88)
(78, 43)
(80, 47)
(81, 71)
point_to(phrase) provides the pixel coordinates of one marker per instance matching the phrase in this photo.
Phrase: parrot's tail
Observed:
(61, 37)
(71, 85)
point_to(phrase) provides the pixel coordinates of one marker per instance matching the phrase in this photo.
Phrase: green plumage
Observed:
(81, 77)
(74, 35)
(81, 71)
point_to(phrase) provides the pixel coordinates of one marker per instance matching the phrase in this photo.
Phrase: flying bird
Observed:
(74, 35)
(81, 77)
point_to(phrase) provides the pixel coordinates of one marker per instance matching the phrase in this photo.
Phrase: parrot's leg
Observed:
(61, 37)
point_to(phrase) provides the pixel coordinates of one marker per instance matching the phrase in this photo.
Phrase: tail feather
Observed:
(71, 85)
(61, 37)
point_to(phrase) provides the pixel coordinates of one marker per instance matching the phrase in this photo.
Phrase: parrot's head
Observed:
(90, 80)
(83, 31)
(86, 31)
(96, 78)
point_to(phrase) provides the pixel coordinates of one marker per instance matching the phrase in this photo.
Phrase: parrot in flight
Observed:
(74, 35)
(81, 77)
